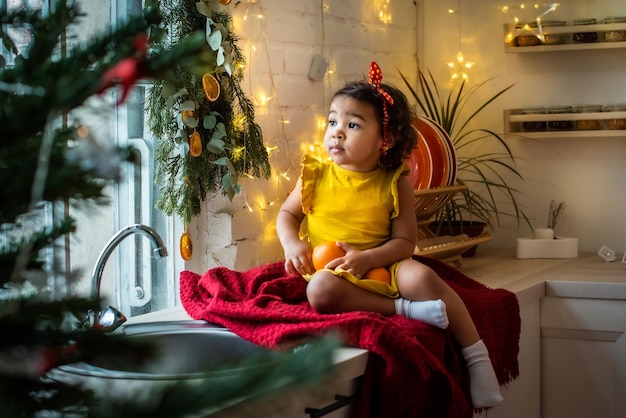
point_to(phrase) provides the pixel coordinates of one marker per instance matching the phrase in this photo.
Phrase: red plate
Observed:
(420, 163)
(437, 149)
(451, 153)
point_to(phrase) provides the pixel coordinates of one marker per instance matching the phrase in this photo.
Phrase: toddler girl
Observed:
(362, 200)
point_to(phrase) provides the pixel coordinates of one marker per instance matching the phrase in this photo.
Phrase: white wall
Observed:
(585, 173)
(280, 47)
(588, 174)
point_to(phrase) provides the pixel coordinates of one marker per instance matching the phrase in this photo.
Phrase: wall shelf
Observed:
(570, 45)
(446, 248)
(513, 120)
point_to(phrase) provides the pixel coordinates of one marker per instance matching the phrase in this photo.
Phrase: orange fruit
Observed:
(325, 253)
(195, 144)
(211, 87)
(379, 273)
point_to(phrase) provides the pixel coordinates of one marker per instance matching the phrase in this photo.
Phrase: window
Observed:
(134, 280)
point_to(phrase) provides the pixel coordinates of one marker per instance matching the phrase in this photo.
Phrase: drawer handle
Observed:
(341, 402)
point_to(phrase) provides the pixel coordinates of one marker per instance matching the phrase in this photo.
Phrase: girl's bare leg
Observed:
(419, 282)
(328, 293)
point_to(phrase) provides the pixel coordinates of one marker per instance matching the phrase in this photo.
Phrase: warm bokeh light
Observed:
(321, 123)
(526, 14)
(82, 131)
(460, 67)
(383, 11)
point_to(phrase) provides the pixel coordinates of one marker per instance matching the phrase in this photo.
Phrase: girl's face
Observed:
(353, 139)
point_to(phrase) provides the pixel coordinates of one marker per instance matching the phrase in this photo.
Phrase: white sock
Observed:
(484, 385)
(432, 312)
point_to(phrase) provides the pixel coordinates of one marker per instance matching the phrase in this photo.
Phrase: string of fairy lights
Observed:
(459, 66)
(250, 22)
(284, 153)
(253, 21)
(250, 18)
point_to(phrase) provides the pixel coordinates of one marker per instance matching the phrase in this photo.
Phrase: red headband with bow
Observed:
(376, 78)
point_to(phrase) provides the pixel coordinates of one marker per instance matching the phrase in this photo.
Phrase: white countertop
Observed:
(572, 277)
(500, 269)
(587, 275)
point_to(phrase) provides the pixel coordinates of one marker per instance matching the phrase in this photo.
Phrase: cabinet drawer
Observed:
(583, 314)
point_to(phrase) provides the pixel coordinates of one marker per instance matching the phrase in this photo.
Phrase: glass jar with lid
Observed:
(534, 125)
(527, 34)
(619, 123)
(615, 35)
(554, 38)
(585, 37)
(560, 125)
(588, 124)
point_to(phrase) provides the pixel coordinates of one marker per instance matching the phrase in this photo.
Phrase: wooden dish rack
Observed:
(445, 248)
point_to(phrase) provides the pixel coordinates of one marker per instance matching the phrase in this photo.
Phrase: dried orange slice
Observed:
(187, 114)
(195, 144)
(211, 87)
(186, 247)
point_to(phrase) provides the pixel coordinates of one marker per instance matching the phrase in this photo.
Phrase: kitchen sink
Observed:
(182, 350)
(214, 366)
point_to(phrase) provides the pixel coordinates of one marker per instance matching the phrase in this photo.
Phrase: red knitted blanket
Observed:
(413, 370)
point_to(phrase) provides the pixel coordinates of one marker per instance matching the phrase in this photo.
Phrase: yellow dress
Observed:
(352, 207)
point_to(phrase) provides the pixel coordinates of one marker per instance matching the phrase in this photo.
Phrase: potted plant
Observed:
(483, 172)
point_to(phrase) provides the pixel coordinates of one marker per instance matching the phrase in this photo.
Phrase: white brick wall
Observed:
(350, 35)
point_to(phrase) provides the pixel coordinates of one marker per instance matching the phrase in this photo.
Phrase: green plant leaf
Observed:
(171, 100)
(167, 89)
(209, 121)
(191, 122)
(220, 131)
(226, 162)
(204, 10)
(188, 105)
(215, 40)
(183, 149)
(221, 161)
(228, 68)
(229, 183)
(220, 56)
(216, 146)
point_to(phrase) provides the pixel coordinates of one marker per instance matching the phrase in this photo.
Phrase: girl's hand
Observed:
(355, 261)
(298, 258)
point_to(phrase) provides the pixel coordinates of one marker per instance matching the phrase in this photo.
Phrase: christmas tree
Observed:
(45, 159)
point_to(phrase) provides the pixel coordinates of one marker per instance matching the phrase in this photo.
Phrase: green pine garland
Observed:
(232, 143)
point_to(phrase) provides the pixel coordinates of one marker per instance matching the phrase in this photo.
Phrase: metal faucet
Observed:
(111, 318)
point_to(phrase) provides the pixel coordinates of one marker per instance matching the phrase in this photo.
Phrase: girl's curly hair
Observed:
(402, 135)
